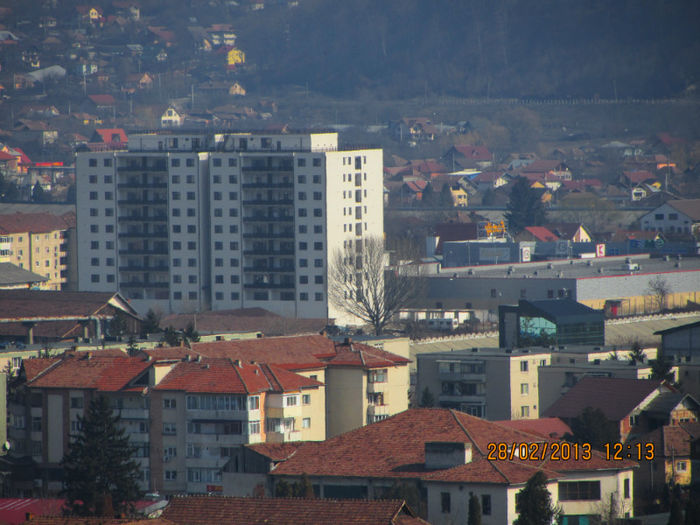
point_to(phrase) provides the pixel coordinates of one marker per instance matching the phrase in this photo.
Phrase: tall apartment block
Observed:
(197, 221)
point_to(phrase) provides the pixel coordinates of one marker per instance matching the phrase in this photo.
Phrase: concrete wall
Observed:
(346, 399)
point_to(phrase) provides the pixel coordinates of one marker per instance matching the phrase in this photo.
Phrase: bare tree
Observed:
(659, 289)
(361, 284)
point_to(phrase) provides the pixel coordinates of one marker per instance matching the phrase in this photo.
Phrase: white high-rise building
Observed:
(195, 221)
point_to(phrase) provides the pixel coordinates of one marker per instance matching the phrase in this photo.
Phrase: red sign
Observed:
(600, 250)
(215, 488)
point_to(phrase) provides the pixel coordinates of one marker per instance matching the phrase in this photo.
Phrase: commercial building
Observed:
(490, 383)
(620, 284)
(39, 243)
(196, 221)
(552, 322)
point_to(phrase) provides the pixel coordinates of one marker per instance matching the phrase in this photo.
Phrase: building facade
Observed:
(485, 382)
(197, 221)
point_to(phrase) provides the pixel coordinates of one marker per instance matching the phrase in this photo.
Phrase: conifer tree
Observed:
(534, 503)
(474, 517)
(524, 208)
(100, 472)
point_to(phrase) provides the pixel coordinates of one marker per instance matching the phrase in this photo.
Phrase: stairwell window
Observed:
(377, 376)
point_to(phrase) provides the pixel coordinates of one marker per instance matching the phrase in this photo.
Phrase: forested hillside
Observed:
(497, 48)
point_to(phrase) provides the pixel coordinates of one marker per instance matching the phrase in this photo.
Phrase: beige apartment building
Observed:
(188, 418)
(490, 383)
(38, 242)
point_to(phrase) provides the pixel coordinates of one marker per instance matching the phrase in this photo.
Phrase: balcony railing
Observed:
(143, 268)
(281, 167)
(268, 218)
(143, 252)
(378, 410)
(269, 252)
(142, 218)
(274, 269)
(139, 235)
(284, 436)
(136, 284)
(268, 202)
(266, 235)
(139, 185)
(269, 286)
(268, 185)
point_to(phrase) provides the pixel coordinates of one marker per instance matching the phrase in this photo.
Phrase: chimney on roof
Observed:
(199, 358)
(348, 340)
(237, 363)
(88, 356)
(443, 455)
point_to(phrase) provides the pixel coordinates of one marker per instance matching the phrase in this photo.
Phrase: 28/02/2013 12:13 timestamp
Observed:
(564, 451)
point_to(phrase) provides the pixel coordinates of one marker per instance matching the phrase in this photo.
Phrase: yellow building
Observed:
(37, 242)
(234, 57)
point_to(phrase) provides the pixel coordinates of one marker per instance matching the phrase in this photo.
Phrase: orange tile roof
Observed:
(275, 451)
(105, 374)
(549, 427)
(219, 375)
(16, 304)
(395, 448)
(307, 352)
(31, 223)
(204, 510)
(35, 366)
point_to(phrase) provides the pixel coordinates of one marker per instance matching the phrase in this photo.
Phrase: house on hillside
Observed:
(465, 156)
(172, 118)
(675, 216)
(640, 406)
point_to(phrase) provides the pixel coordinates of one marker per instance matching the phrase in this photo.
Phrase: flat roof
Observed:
(575, 268)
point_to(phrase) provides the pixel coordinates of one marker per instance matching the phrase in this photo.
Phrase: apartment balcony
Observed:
(143, 252)
(459, 398)
(266, 185)
(268, 202)
(142, 268)
(378, 410)
(268, 218)
(140, 202)
(143, 218)
(274, 269)
(258, 169)
(140, 185)
(132, 413)
(140, 235)
(269, 286)
(283, 437)
(269, 252)
(458, 376)
(267, 235)
(376, 388)
(137, 284)
(148, 167)
(283, 412)
(205, 461)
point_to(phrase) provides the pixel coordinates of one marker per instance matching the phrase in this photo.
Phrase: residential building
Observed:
(674, 460)
(187, 417)
(681, 343)
(13, 277)
(551, 322)
(448, 455)
(197, 221)
(674, 216)
(38, 242)
(490, 383)
(364, 384)
(636, 406)
(287, 511)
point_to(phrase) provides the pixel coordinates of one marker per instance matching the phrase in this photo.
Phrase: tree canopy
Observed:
(524, 208)
(101, 476)
(591, 426)
(534, 502)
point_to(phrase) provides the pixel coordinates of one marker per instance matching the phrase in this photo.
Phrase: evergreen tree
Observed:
(692, 512)
(474, 517)
(171, 337)
(99, 469)
(675, 517)
(524, 208)
(38, 193)
(283, 489)
(132, 348)
(661, 369)
(591, 426)
(534, 503)
(427, 399)
(636, 355)
(190, 334)
(151, 323)
(304, 488)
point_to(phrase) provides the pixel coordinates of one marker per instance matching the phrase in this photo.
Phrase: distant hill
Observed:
(500, 48)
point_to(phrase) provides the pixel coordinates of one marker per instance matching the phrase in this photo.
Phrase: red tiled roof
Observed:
(275, 451)
(541, 165)
(39, 303)
(549, 427)
(212, 375)
(541, 233)
(481, 153)
(106, 374)
(395, 448)
(6, 156)
(597, 392)
(102, 100)
(31, 223)
(33, 367)
(306, 352)
(635, 177)
(204, 510)
(417, 185)
(108, 134)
